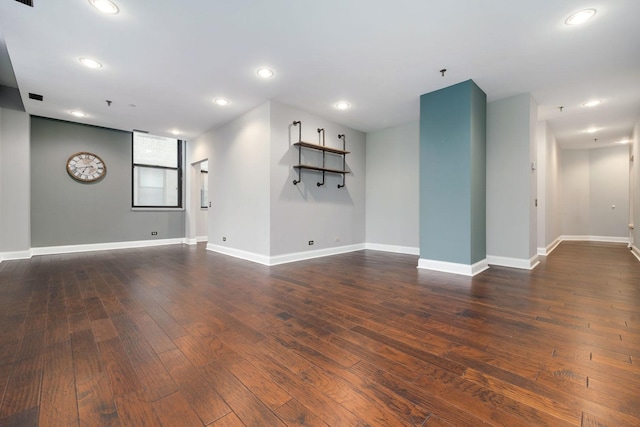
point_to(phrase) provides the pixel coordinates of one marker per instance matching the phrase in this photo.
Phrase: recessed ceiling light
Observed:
(105, 6)
(592, 103)
(592, 130)
(624, 141)
(580, 17)
(175, 132)
(343, 105)
(265, 73)
(91, 63)
(78, 113)
(221, 101)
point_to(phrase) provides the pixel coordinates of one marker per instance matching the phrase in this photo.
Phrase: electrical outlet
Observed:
(224, 239)
(310, 242)
(154, 233)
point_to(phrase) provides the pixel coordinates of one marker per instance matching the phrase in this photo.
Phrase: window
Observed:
(204, 184)
(157, 172)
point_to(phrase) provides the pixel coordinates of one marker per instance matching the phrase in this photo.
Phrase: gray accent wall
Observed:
(393, 190)
(511, 182)
(65, 212)
(15, 232)
(452, 174)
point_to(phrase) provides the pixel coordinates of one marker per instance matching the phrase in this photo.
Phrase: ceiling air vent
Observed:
(35, 95)
(27, 2)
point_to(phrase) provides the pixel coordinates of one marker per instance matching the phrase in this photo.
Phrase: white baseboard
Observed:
(196, 240)
(409, 250)
(608, 239)
(635, 251)
(525, 264)
(300, 256)
(283, 259)
(8, 256)
(237, 253)
(550, 247)
(452, 267)
(69, 249)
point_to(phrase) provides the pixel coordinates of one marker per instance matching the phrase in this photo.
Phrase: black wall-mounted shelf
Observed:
(324, 149)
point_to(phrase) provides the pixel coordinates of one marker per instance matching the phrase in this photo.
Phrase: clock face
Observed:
(86, 167)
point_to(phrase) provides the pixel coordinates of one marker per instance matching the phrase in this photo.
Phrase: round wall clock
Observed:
(86, 167)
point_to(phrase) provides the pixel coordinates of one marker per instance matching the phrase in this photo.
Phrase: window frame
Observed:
(178, 169)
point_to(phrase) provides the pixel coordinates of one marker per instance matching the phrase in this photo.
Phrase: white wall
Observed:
(392, 188)
(593, 181)
(533, 182)
(575, 191)
(333, 218)
(197, 151)
(541, 137)
(609, 188)
(15, 184)
(239, 171)
(511, 184)
(635, 188)
(548, 175)
(553, 196)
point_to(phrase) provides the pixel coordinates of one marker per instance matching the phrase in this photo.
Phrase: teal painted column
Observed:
(453, 179)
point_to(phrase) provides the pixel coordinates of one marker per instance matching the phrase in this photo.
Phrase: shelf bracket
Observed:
(299, 124)
(321, 131)
(344, 162)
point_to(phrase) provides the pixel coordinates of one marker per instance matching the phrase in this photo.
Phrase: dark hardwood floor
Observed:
(178, 336)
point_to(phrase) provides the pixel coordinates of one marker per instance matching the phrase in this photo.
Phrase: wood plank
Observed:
(204, 400)
(153, 333)
(174, 410)
(320, 404)
(244, 404)
(357, 401)
(86, 358)
(58, 406)
(23, 389)
(135, 409)
(96, 406)
(103, 329)
(294, 413)
(431, 402)
(28, 418)
(117, 367)
(149, 370)
(230, 420)
(259, 384)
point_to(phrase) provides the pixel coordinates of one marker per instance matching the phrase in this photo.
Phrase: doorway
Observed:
(200, 199)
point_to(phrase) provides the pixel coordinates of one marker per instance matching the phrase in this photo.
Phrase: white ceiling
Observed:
(172, 58)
